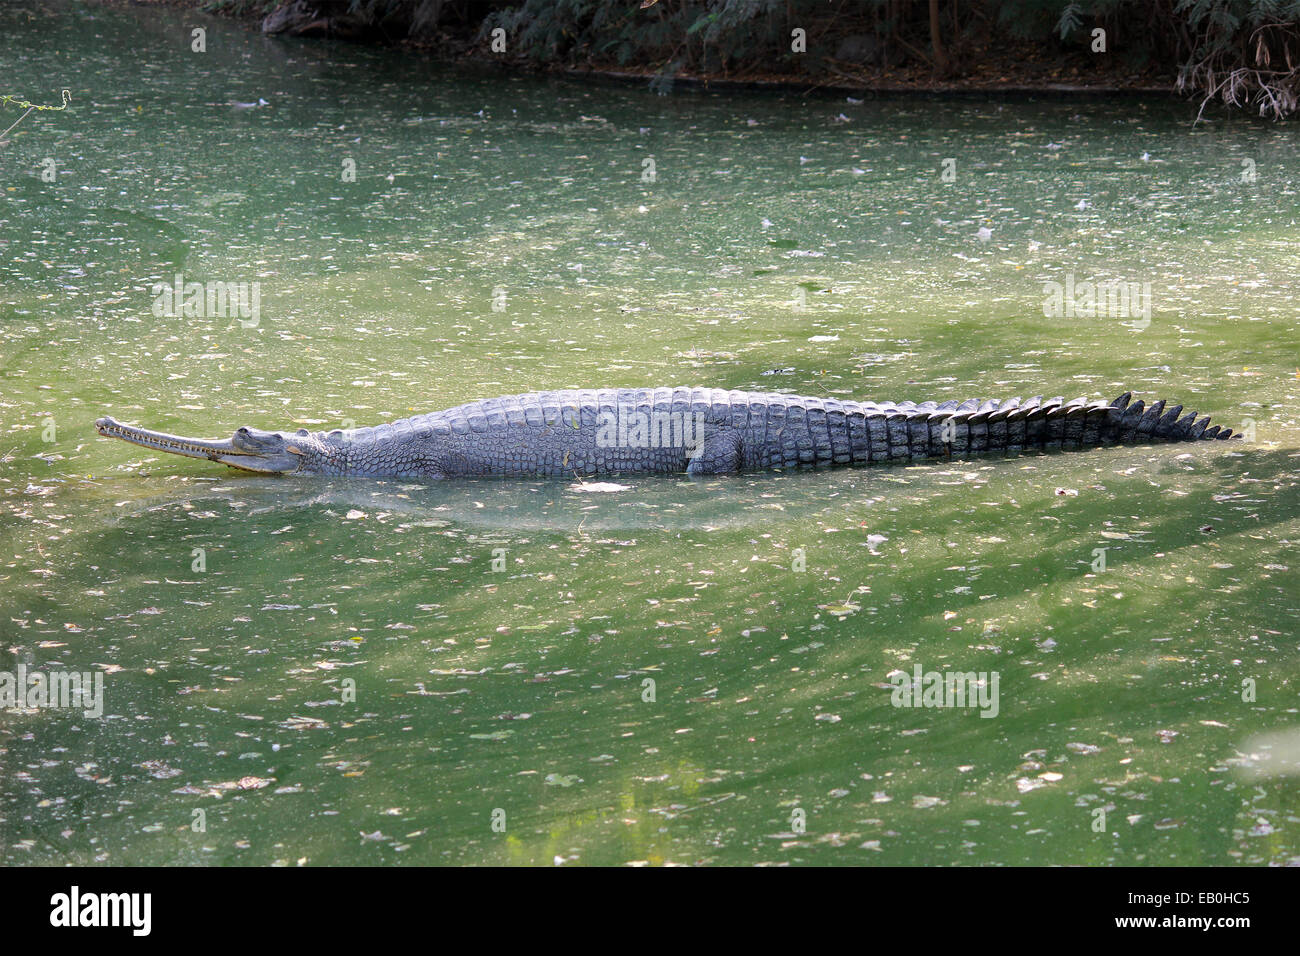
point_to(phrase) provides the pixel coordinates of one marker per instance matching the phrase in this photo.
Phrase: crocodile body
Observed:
(698, 431)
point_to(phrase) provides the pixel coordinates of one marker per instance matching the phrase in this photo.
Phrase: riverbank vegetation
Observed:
(1245, 53)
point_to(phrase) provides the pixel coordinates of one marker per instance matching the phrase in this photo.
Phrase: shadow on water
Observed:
(522, 691)
(675, 503)
(564, 506)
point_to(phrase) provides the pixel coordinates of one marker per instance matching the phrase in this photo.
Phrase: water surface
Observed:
(347, 651)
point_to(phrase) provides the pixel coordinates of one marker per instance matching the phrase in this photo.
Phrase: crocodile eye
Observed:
(242, 431)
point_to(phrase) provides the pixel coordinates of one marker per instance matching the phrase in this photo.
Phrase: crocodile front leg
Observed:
(721, 453)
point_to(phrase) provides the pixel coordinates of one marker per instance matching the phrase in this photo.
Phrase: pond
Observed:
(335, 672)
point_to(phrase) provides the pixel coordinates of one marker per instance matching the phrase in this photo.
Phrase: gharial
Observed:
(696, 431)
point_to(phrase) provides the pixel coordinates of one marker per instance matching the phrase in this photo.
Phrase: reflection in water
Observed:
(1272, 755)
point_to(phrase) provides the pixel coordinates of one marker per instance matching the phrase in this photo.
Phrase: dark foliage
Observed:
(1245, 52)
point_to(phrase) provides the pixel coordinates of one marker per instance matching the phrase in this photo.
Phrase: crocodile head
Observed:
(249, 449)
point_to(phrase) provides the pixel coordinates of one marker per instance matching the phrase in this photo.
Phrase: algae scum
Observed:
(523, 672)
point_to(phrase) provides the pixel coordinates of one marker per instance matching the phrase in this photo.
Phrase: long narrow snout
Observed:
(209, 448)
(248, 449)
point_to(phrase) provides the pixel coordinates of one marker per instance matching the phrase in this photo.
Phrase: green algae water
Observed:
(330, 672)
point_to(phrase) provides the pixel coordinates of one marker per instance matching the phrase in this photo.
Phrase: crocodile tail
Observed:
(951, 430)
(1133, 423)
